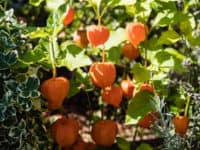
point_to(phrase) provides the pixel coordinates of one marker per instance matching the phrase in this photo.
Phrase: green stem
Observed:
(5, 5)
(187, 105)
(145, 57)
(52, 56)
(99, 20)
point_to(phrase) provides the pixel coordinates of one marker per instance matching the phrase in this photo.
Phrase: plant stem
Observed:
(5, 5)
(102, 112)
(99, 20)
(52, 55)
(187, 105)
(145, 57)
(103, 54)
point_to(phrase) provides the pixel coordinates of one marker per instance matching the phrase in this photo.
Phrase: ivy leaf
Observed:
(141, 104)
(168, 37)
(2, 112)
(75, 58)
(25, 103)
(27, 88)
(8, 59)
(141, 73)
(10, 112)
(32, 83)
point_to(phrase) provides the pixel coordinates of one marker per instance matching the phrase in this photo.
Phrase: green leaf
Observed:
(141, 10)
(163, 18)
(175, 53)
(160, 5)
(81, 80)
(186, 27)
(141, 73)
(127, 2)
(54, 4)
(123, 144)
(35, 2)
(38, 55)
(41, 32)
(32, 83)
(2, 112)
(168, 37)
(75, 58)
(141, 104)
(144, 146)
(169, 59)
(114, 54)
(8, 59)
(34, 56)
(25, 103)
(116, 38)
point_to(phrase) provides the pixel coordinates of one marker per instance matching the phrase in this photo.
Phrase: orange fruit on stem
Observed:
(79, 145)
(148, 120)
(130, 51)
(104, 132)
(181, 124)
(136, 33)
(65, 131)
(146, 86)
(69, 16)
(55, 90)
(97, 34)
(80, 38)
(112, 95)
(127, 87)
(102, 74)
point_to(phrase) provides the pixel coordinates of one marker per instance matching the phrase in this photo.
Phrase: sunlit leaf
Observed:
(75, 58)
(114, 54)
(168, 37)
(116, 37)
(141, 104)
(35, 2)
(141, 73)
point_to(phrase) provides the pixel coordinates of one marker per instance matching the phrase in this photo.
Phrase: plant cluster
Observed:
(138, 60)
